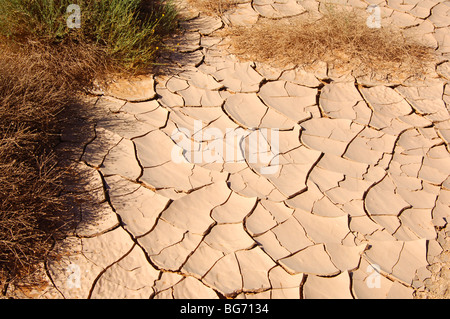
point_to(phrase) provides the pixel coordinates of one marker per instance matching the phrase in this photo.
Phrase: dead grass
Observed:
(214, 7)
(339, 38)
(37, 81)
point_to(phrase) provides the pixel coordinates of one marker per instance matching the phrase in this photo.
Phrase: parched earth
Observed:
(225, 178)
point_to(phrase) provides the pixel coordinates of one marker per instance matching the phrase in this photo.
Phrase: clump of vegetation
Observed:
(33, 92)
(214, 7)
(130, 31)
(340, 37)
(44, 65)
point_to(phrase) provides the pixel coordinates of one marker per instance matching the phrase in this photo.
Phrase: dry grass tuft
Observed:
(37, 81)
(339, 38)
(214, 7)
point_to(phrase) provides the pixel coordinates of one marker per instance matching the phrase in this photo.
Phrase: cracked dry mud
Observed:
(357, 208)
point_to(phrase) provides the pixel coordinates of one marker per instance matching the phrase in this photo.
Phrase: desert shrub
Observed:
(33, 92)
(129, 30)
(44, 67)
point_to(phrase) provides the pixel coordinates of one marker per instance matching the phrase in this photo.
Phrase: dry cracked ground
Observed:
(345, 194)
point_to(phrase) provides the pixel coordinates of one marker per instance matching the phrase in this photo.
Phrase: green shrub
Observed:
(129, 30)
